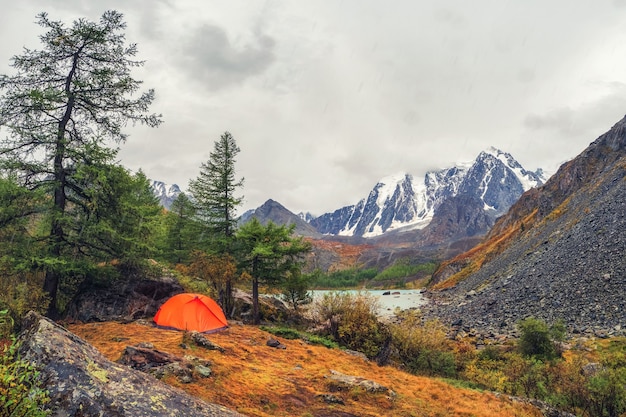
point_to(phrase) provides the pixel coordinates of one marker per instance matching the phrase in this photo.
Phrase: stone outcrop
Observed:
(159, 364)
(271, 308)
(128, 299)
(339, 381)
(82, 382)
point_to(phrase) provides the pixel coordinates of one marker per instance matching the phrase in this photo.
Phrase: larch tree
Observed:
(62, 109)
(214, 190)
(214, 195)
(270, 254)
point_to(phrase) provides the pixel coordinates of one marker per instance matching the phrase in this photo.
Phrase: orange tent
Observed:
(191, 312)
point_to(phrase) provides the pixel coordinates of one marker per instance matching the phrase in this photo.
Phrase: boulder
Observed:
(271, 342)
(159, 364)
(271, 309)
(200, 339)
(126, 300)
(341, 382)
(82, 382)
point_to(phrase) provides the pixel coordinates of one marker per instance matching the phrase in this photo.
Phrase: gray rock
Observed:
(275, 344)
(126, 300)
(203, 371)
(201, 340)
(331, 399)
(343, 381)
(81, 381)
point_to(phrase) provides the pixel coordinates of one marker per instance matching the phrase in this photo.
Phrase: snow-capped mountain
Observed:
(166, 193)
(307, 217)
(403, 201)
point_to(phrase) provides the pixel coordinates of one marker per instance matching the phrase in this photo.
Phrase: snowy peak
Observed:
(307, 217)
(166, 193)
(528, 179)
(402, 201)
(394, 202)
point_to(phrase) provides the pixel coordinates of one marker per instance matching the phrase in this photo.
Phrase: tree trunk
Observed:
(228, 299)
(57, 234)
(50, 287)
(256, 316)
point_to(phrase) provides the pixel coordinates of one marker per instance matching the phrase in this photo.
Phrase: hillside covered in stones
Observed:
(559, 253)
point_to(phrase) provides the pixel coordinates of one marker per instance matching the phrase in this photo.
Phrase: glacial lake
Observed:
(403, 299)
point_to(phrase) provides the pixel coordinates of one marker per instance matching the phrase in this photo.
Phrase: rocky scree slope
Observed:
(559, 253)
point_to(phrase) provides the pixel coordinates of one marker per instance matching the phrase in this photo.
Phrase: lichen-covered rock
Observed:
(342, 381)
(82, 382)
(200, 339)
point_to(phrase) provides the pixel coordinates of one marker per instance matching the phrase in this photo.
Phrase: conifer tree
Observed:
(181, 229)
(214, 194)
(214, 191)
(269, 254)
(63, 105)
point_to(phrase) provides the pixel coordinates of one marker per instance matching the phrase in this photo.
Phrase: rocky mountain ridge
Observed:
(403, 201)
(557, 254)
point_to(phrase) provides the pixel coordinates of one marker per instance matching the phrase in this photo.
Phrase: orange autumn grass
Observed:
(257, 380)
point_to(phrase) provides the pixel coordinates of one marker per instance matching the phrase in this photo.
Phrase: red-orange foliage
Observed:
(348, 255)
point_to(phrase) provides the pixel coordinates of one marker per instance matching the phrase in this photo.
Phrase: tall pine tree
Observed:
(214, 192)
(63, 105)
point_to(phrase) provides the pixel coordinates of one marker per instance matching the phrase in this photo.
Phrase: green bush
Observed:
(607, 392)
(432, 362)
(422, 347)
(540, 341)
(352, 321)
(20, 392)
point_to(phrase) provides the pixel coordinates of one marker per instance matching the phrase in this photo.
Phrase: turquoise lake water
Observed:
(402, 299)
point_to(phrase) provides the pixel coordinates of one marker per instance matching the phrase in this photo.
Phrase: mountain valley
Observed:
(510, 246)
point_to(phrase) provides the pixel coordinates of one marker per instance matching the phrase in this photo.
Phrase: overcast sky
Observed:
(325, 98)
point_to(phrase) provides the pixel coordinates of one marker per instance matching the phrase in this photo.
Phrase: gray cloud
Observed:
(212, 57)
(561, 120)
(325, 98)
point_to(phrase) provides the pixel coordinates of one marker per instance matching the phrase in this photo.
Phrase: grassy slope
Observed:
(257, 380)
